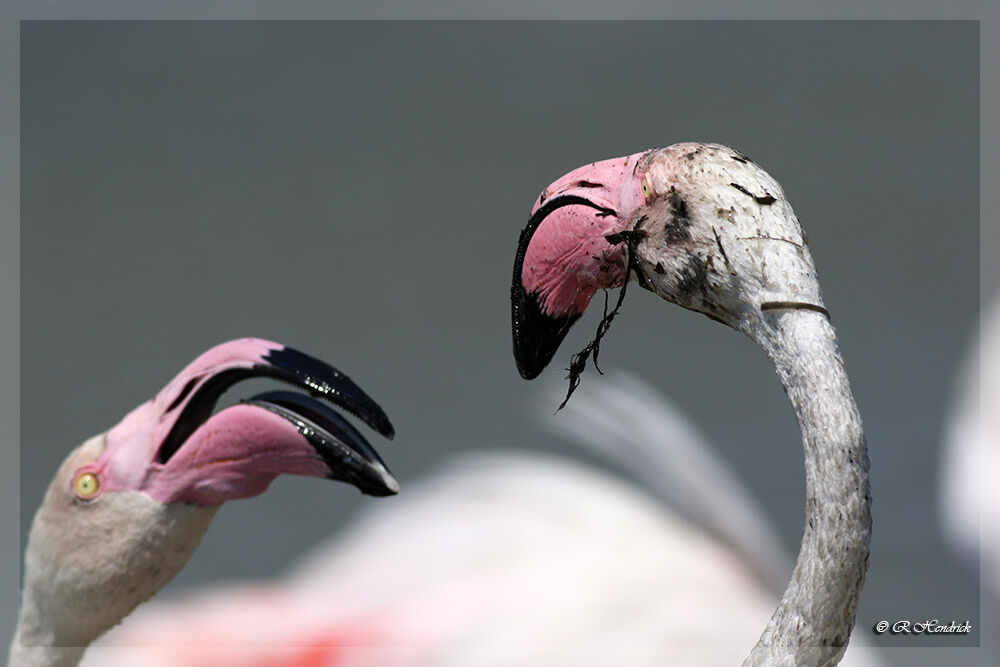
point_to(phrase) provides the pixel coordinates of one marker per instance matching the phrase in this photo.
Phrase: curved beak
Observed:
(174, 449)
(347, 455)
(564, 256)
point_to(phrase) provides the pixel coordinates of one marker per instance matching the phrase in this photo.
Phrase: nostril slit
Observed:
(184, 393)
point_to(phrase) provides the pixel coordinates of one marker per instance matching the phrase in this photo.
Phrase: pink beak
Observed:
(175, 450)
(564, 255)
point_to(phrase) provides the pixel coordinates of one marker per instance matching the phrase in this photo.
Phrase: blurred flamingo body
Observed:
(970, 493)
(509, 558)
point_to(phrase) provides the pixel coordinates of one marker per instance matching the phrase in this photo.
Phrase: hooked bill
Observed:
(564, 256)
(175, 449)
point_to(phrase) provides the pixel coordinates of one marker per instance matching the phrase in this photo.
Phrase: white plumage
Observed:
(970, 496)
(510, 558)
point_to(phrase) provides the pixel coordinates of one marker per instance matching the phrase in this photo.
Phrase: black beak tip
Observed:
(529, 373)
(384, 428)
(380, 491)
(537, 336)
(373, 479)
(529, 364)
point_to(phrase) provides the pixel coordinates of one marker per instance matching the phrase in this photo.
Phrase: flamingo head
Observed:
(701, 225)
(127, 508)
(173, 449)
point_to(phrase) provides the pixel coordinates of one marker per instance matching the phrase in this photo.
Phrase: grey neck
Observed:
(814, 618)
(22, 655)
(81, 577)
(35, 642)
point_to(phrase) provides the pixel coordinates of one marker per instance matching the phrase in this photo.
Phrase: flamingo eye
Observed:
(87, 486)
(647, 192)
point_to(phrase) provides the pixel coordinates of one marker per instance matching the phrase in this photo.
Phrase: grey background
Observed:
(356, 190)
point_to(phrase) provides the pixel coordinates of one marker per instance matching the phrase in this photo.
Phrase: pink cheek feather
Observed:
(569, 259)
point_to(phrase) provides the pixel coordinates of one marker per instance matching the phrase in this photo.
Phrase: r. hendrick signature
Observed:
(931, 627)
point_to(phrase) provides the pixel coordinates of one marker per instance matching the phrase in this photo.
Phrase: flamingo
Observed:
(526, 559)
(702, 226)
(127, 508)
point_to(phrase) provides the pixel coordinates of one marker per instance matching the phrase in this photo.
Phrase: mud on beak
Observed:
(176, 450)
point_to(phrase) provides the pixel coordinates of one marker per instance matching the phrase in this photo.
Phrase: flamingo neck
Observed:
(84, 574)
(813, 620)
(25, 651)
(36, 640)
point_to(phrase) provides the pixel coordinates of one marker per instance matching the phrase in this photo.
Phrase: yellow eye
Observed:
(645, 188)
(87, 486)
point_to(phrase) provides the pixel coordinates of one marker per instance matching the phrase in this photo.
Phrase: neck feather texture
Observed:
(88, 565)
(44, 656)
(813, 621)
